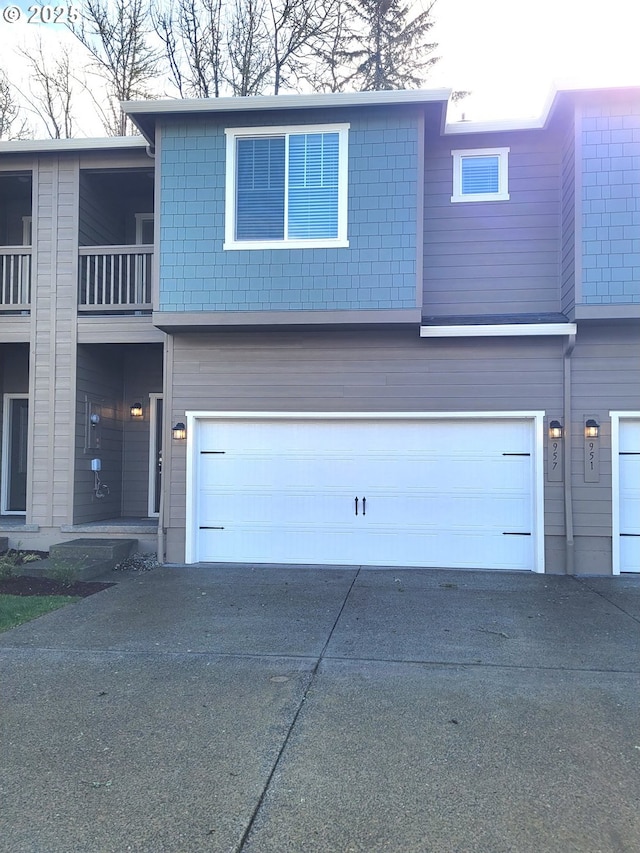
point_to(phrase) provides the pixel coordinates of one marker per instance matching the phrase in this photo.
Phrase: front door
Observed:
(14, 454)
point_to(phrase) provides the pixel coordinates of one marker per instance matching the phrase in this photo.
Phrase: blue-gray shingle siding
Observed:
(376, 271)
(610, 143)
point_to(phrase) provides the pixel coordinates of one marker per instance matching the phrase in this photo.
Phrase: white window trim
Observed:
(141, 218)
(503, 174)
(498, 330)
(232, 134)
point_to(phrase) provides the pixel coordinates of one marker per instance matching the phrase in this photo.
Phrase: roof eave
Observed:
(145, 114)
(58, 146)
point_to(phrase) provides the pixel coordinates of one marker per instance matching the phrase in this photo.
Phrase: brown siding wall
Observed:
(358, 371)
(606, 377)
(497, 257)
(52, 372)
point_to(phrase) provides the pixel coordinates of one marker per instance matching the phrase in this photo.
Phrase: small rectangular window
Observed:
(480, 174)
(286, 188)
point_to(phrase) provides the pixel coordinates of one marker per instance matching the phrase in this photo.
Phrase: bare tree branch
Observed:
(51, 90)
(249, 48)
(115, 32)
(12, 125)
(296, 27)
(193, 35)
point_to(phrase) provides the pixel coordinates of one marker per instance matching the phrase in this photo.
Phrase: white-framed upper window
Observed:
(286, 187)
(481, 174)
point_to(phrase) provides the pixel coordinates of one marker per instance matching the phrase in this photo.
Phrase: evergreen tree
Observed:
(387, 49)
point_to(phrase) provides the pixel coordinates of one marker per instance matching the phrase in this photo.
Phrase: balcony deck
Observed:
(114, 278)
(15, 278)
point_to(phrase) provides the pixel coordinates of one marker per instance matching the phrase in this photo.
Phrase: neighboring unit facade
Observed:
(391, 341)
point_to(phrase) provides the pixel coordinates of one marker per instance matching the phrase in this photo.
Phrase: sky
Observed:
(507, 53)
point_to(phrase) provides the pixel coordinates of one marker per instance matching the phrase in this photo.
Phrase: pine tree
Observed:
(387, 49)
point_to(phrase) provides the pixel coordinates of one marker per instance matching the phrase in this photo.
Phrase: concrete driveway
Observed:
(277, 709)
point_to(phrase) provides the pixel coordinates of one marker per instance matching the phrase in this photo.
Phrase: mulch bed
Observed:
(25, 585)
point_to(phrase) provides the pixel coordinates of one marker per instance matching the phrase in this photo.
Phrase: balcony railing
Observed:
(115, 278)
(15, 278)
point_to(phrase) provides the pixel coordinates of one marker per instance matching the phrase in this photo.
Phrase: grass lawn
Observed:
(16, 609)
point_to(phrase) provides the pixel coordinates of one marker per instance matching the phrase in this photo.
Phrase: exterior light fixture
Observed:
(136, 410)
(556, 430)
(591, 428)
(179, 431)
(95, 419)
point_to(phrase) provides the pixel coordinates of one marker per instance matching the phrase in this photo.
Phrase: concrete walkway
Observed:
(281, 710)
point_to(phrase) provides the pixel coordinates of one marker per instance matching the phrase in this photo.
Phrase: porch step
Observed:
(87, 558)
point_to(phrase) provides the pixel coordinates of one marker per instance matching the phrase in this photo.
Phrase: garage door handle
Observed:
(356, 506)
(364, 506)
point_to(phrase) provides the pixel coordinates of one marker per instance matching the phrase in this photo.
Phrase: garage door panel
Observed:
(450, 512)
(360, 472)
(260, 506)
(259, 470)
(630, 553)
(292, 544)
(428, 549)
(629, 495)
(415, 436)
(630, 489)
(467, 549)
(456, 513)
(438, 493)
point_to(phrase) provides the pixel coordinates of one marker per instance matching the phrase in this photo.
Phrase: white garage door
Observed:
(431, 493)
(629, 468)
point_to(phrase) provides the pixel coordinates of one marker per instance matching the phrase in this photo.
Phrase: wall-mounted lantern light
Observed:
(556, 430)
(179, 431)
(136, 410)
(95, 419)
(591, 428)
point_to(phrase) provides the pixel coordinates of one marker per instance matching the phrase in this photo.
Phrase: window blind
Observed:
(313, 185)
(260, 188)
(480, 175)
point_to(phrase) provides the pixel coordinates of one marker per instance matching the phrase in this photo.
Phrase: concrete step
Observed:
(113, 550)
(85, 559)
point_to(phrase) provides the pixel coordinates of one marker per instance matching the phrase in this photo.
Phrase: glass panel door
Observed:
(14, 455)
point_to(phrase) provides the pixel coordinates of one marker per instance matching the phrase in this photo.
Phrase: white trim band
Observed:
(498, 330)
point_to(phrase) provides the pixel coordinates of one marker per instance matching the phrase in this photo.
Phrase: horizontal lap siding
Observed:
(496, 257)
(606, 377)
(53, 349)
(364, 371)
